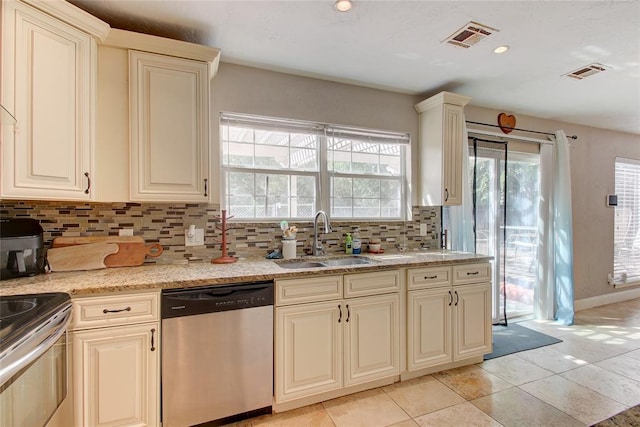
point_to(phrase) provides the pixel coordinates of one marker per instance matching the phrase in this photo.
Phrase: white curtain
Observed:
(554, 298)
(461, 237)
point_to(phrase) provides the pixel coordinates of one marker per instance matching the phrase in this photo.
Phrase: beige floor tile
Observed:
(367, 409)
(573, 399)
(422, 395)
(514, 370)
(551, 359)
(624, 365)
(312, 415)
(614, 386)
(634, 354)
(472, 382)
(407, 423)
(594, 348)
(517, 408)
(464, 414)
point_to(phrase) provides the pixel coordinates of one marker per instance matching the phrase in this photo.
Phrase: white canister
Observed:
(289, 248)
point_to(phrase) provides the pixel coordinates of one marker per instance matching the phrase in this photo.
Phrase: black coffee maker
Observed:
(22, 250)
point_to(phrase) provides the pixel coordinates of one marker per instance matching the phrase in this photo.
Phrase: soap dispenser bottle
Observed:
(356, 244)
(348, 248)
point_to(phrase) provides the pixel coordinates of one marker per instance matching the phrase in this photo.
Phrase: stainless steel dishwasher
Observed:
(217, 353)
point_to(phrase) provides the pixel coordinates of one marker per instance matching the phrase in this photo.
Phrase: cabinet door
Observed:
(372, 338)
(472, 321)
(169, 128)
(116, 373)
(48, 79)
(308, 349)
(453, 145)
(429, 341)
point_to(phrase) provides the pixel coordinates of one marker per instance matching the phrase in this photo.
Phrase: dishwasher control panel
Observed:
(211, 299)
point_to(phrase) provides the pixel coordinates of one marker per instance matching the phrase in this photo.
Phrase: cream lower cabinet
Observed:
(449, 314)
(116, 355)
(329, 345)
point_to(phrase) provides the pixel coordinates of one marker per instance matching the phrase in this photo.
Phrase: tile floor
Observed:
(593, 374)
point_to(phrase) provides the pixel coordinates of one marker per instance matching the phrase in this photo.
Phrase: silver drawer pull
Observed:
(430, 277)
(105, 311)
(472, 273)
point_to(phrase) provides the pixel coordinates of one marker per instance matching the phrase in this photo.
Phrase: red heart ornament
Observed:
(506, 122)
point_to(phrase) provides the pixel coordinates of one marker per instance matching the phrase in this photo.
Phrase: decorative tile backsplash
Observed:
(165, 223)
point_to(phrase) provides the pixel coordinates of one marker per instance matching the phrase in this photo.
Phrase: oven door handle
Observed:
(35, 345)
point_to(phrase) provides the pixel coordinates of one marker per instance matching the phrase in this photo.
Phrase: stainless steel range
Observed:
(33, 357)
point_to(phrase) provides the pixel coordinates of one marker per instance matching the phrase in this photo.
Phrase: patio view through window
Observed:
(276, 168)
(626, 242)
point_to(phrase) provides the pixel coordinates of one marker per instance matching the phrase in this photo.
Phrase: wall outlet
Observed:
(125, 232)
(197, 239)
(423, 229)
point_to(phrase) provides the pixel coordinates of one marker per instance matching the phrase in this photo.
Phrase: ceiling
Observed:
(397, 45)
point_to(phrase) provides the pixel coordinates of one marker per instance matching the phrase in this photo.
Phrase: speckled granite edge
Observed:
(171, 276)
(628, 418)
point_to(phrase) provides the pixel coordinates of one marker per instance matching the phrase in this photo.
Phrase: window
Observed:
(275, 168)
(626, 259)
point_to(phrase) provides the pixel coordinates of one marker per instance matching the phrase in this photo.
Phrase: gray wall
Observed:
(248, 90)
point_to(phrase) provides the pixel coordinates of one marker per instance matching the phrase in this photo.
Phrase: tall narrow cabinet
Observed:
(440, 149)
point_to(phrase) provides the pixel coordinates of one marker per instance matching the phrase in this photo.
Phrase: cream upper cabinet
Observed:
(48, 83)
(152, 133)
(440, 149)
(169, 116)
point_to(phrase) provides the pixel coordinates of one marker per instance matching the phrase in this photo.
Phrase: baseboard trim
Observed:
(584, 303)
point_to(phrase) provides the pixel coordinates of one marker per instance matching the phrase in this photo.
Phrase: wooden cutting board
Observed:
(132, 254)
(83, 257)
(60, 242)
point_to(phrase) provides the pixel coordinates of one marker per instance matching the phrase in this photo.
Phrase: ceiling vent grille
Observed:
(584, 72)
(469, 35)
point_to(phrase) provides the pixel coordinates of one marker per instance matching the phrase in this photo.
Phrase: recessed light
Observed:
(501, 49)
(343, 5)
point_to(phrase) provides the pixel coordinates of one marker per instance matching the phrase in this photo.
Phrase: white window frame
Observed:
(626, 237)
(323, 174)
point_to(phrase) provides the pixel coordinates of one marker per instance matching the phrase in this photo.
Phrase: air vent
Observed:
(469, 35)
(584, 72)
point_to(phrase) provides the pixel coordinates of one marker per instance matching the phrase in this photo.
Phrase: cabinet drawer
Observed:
(308, 289)
(378, 282)
(471, 273)
(115, 310)
(431, 277)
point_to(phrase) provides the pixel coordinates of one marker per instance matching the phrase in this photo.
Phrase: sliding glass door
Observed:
(509, 235)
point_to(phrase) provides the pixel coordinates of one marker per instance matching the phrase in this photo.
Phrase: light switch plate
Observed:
(423, 229)
(196, 240)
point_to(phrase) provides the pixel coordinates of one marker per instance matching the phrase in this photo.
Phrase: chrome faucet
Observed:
(316, 249)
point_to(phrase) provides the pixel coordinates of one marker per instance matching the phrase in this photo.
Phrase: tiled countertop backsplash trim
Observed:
(165, 223)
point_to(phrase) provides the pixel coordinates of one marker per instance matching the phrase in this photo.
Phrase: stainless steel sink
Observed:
(333, 262)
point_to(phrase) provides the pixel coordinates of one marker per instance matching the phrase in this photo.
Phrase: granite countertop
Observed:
(169, 276)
